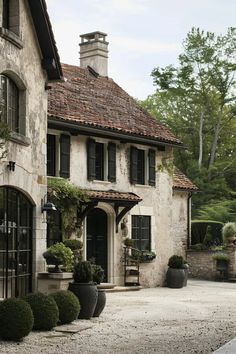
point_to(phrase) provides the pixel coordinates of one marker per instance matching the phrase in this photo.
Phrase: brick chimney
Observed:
(94, 52)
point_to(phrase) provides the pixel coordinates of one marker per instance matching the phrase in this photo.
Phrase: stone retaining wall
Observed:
(203, 266)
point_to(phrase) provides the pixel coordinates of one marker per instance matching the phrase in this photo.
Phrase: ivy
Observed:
(67, 198)
(166, 165)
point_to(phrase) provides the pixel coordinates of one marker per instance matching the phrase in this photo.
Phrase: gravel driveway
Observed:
(196, 319)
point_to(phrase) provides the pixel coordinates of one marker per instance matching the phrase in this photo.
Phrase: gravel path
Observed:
(196, 319)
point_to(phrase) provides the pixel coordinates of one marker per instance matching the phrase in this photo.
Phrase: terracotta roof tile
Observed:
(100, 102)
(182, 182)
(113, 195)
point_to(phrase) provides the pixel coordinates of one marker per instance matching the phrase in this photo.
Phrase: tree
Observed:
(196, 100)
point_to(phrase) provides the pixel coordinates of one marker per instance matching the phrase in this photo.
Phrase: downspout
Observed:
(188, 220)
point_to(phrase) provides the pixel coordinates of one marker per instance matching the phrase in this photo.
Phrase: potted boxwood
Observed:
(128, 242)
(175, 275)
(84, 288)
(98, 276)
(58, 254)
(222, 261)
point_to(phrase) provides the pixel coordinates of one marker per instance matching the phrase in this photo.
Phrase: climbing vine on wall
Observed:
(67, 198)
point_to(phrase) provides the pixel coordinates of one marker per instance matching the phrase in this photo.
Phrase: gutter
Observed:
(77, 128)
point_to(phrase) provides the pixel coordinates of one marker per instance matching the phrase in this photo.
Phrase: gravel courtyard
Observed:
(196, 319)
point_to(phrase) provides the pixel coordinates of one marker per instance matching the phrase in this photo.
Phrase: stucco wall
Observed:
(168, 212)
(24, 67)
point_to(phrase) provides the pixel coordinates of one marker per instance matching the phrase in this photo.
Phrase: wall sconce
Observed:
(46, 207)
(11, 166)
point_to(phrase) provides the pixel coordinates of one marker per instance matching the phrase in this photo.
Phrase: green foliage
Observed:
(4, 137)
(16, 319)
(143, 256)
(98, 273)
(83, 272)
(63, 255)
(76, 247)
(176, 262)
(45, 311)
(221, 257)
(208, 236)
(196, 100)
(68, 306)
(228, 231)
(74, 244)
(128, 242)
(200, 229)
(67, 198)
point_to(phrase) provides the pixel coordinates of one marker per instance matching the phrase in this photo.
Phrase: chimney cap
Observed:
(97, 35)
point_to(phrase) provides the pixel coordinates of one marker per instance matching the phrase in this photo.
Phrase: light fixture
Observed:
(11, 166)
(48, 207)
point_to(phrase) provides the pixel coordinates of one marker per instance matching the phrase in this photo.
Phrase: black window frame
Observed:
(142, 166)
(141, 232)
(9, 103)
(101, 161)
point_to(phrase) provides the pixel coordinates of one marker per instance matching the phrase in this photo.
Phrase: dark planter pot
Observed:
(175, 278)
(186, 269)
(222, 264)
(87, 294)
(101, 302)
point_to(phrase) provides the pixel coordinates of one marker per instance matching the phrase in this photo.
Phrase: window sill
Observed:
(11, 37)
(143, 186)
(20, 139)
(101, 182)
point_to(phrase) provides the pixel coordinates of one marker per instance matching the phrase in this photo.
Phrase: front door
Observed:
(97, 238)
(15, 243)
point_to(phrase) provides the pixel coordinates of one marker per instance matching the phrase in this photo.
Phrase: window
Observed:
(101, 161)
(58, 165)
(141, 232)
(9, 103)
(10, 18)
(142, 166)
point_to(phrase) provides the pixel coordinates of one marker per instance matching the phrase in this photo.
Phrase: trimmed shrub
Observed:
(68, 305)
(98, 273)
(176, 262)
(45, 311)
(83, 272)
(16, 319)
(229, 231)
(199, 231)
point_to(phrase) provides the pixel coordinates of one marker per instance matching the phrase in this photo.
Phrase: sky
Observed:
(142, 34)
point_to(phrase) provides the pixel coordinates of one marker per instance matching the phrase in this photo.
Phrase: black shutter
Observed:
(91, 159)
(51, 155)
(152, 167)
(65, 156)
(111, 162)
(133, 165)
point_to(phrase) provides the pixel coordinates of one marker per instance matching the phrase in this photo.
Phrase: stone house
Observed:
(28, 61)
(103, 141)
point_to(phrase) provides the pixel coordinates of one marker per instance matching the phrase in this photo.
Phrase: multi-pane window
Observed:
(58, 155)
(141, 232)
(10, 16)
(9, 103)
(142, 166)
(101, 161)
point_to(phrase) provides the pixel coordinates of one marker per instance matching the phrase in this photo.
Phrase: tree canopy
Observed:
(197, 101)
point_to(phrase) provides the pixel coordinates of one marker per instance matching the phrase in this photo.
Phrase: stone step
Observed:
(231, 280)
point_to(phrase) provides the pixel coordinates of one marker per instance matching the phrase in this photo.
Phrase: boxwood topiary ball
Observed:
(68, 305)
(16, 319)
(45, 311)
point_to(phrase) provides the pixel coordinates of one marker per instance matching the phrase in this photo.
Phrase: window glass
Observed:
(99, 161)
(9, 103)
(141, 232)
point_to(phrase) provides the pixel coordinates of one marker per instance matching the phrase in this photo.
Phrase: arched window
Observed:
(9, 103)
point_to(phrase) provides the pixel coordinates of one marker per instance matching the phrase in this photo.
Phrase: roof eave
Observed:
(46, 39)
(80, 128)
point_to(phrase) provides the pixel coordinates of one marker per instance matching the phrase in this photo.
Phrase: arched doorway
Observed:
(16, 213)
(97, 238)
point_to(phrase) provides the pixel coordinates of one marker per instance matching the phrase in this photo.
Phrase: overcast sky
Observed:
(142, 34)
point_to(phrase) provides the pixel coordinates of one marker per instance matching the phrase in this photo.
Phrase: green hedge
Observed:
(199, 229)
